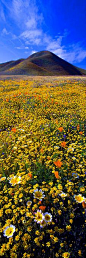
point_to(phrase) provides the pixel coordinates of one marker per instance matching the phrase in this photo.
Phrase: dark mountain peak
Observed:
(40, 54)
(41, 63)
(52, 63)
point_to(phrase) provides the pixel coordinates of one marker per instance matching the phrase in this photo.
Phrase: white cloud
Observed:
(22, 47)
(17, 8)
(73, 53)
(33, 52)
(5, 32)
(26, 47)
(26, 14)
(28, 19)
(55, 46)
(81, 55)
(2, 15)
(31, 23)
(32, 36)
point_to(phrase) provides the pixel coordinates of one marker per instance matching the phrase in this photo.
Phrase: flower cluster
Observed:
(42, 168)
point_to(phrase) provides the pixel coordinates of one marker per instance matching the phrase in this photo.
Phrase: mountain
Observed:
(40, 63)
(9, 65)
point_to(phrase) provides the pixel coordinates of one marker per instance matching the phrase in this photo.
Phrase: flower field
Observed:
(42, 168)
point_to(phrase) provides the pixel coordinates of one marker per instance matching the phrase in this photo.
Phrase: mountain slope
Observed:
(9, 65)
(53, 63)
(40, 63)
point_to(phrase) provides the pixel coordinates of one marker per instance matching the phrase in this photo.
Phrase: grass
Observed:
(42, 167)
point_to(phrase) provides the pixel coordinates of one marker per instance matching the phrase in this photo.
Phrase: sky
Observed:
(29, 26)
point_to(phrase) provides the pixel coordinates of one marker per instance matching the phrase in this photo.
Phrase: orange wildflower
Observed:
(40, 202)
(39, 97)
(13, 130)
(12, 193)
(58, 163)
(60, 129)
(63, 144)
(41, 150)
(42, 208)
(81, 132)
(57, 174)
(84, 205)
(30, 175)
(48, 157)
(78, 127)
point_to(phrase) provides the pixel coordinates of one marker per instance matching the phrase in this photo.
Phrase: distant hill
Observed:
(40, 63)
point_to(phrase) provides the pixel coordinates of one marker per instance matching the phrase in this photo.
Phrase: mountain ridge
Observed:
(40, 63)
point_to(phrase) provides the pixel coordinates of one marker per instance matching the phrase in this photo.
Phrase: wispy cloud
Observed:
(5, 4)
(72, 53)
(2, 14)
(25, 13)
(17, 6)
(5, 32)
(32, 36)
(56, 46)
(28, 19)
(31, 23)
(22, 47)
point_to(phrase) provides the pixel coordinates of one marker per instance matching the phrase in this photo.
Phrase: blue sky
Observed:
(28, 26)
